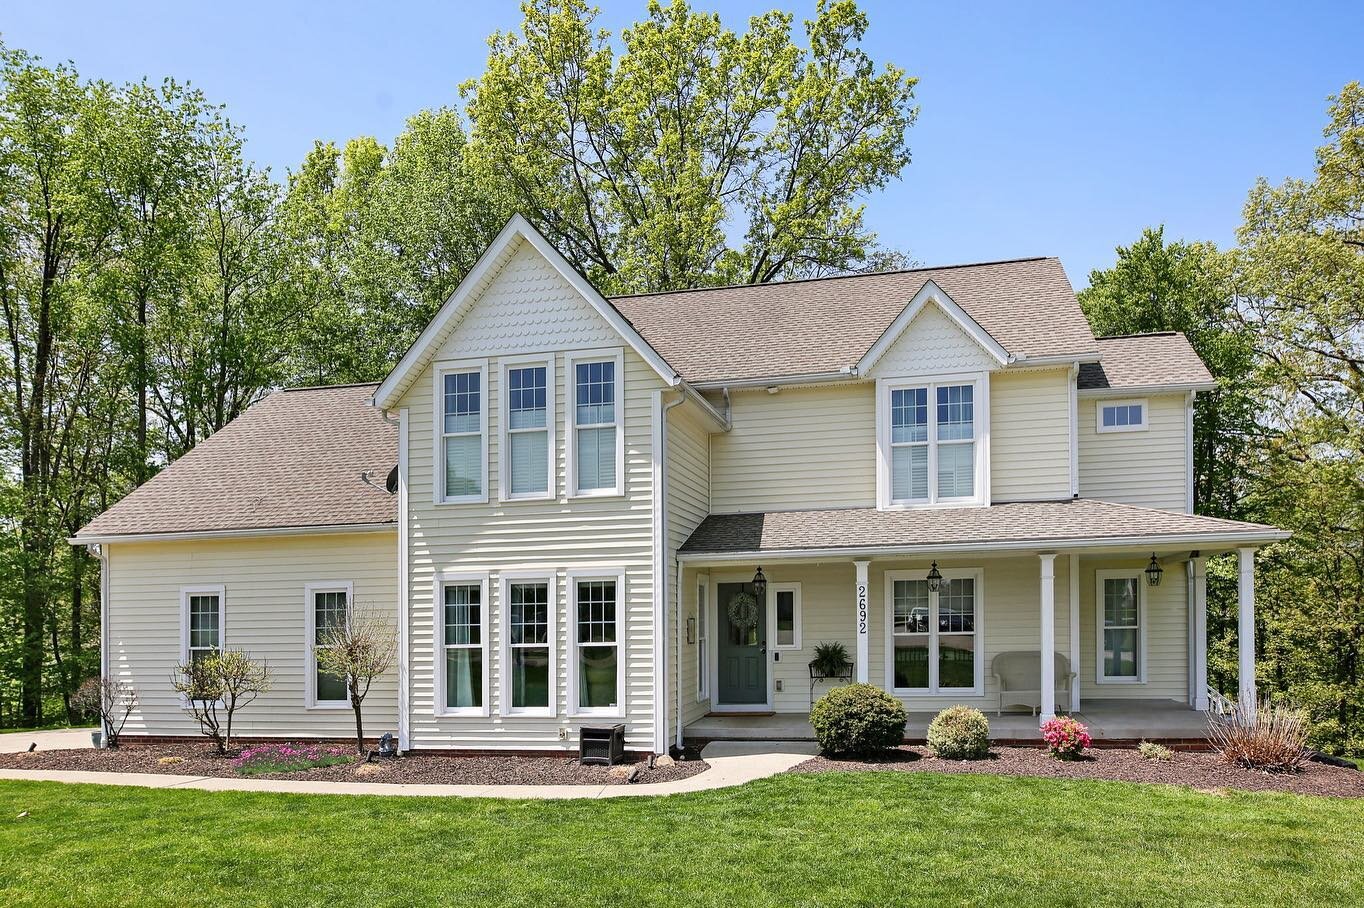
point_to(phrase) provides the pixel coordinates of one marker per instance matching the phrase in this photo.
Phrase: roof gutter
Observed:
(805, 378)
(1206, 541)
(320, 530)
(1056, 359)
(1130, 390)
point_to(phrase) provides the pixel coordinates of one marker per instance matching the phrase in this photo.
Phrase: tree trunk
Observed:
(31, 671)
(355, 703)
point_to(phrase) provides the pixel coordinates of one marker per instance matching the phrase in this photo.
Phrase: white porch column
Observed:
(1048, 620)
(863, 621)
(1198, 648)
(1074, 576)
(1245, 631)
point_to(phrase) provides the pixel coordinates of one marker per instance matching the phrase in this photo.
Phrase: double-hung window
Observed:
(596, 436)
(1120, 627)
(527, 445)
(932, 442)
(935, 636)
(597, 622)
(328, 607)
(528, 658)
(201, 610)
(461, 659)
(462, 433)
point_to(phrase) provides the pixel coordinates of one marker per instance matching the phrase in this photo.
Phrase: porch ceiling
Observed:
(1077, 523)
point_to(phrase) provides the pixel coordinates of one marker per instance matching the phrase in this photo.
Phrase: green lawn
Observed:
(835, 839)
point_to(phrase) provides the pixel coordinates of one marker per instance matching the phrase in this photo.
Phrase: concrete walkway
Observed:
(16, 742)
(731, 763)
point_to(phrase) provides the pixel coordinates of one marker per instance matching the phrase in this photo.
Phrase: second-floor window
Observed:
(463, 434)
(931, 443)
(528, 430)
(595, 438)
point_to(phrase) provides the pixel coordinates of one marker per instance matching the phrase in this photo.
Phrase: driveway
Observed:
(14, 742)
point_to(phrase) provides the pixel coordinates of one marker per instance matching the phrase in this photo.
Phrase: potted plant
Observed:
(830, 661)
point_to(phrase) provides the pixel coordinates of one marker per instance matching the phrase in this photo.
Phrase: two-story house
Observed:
(651, 509)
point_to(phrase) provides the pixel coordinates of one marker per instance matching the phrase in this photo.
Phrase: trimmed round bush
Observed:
(858, 719)
(959, 733)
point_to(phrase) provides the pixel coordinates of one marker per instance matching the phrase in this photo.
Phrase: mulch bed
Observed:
(1201, 771)
(203, 760)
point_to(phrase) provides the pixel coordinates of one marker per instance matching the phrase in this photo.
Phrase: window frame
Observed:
(505, 431)
(310, 590)
(571, 363)
(935, 689)
(980, 403)
(504, 700)
(1139, 580)
(218, 590)
(773, 589)
(702, 637)
(1100, 404)
(574, 577)
(442, 369)
(439, 646)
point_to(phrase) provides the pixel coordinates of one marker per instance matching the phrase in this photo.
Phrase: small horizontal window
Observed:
(1122, 416)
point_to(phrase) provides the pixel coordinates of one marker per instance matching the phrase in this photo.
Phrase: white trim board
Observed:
(932, 293)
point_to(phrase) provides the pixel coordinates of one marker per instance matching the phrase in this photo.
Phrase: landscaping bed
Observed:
(195, 759)
(1200, 771)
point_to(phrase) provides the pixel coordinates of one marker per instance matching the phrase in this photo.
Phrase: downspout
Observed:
(101, 552)
(404, 685)
(662, 498)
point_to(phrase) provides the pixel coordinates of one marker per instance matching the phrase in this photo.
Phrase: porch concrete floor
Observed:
(1108, 720)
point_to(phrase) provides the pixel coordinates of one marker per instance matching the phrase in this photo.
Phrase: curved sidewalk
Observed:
(731, 763)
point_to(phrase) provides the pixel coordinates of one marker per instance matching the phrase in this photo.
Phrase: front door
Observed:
(743, 645)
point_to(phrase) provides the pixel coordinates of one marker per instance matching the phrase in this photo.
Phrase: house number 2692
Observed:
(861, 608)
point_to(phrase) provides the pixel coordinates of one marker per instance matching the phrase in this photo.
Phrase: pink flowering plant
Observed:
(256, 759)
(1066, 738)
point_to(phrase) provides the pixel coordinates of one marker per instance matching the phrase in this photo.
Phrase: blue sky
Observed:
(1045, 129)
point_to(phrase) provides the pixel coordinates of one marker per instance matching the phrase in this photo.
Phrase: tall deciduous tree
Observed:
(699, 155)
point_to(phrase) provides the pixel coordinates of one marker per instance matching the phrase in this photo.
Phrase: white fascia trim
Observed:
(322, 530)
(1097, 542)
(1139, 390)
(464, 296)
(931, 292)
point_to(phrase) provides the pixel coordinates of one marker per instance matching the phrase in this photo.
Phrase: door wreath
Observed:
(743, 611)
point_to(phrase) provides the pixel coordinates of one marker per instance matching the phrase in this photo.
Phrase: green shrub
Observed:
(858, 719)
(1150, 750)
(959, 733)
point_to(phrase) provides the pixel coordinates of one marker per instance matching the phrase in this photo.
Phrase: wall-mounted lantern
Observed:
(1154, 571)
(934, 578)
(759, 584)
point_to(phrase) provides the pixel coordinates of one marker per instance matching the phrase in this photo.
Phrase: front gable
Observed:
(933, 343)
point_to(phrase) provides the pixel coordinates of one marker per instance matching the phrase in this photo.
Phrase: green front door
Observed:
(743, 645)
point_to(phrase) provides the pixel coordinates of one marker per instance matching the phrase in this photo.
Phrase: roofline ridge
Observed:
(837, 277)
(1141, 334)
(350, 384)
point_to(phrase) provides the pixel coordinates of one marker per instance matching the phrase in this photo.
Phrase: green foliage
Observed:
(959, 733)
(831, 658)
(698, 155)
(1157, 753)
(858, 719)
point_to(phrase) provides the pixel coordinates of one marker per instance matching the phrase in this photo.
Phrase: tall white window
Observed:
(462, 628)
(1120, 631)
(527, 458)
(702, 639)
(202, 621)
(932, 444)
(328, 607)
(935, 636)
(463, 425)
(1121, 416)
(596, 676)
(528, 659)
(596, 446)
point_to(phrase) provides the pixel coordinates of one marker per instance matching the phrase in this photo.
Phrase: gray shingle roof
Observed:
(1144, 360)
(293, 460)
(1046, 522)
(818, 326)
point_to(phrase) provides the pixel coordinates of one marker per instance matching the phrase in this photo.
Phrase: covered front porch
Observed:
(1110, 722)
(1022, 611)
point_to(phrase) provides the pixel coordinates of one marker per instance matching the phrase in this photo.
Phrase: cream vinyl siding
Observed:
(529, 308)
(799, 448)
(1165, 620)
(264, 613)
(1148, 468)
(1030, 435)
(688, 503)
